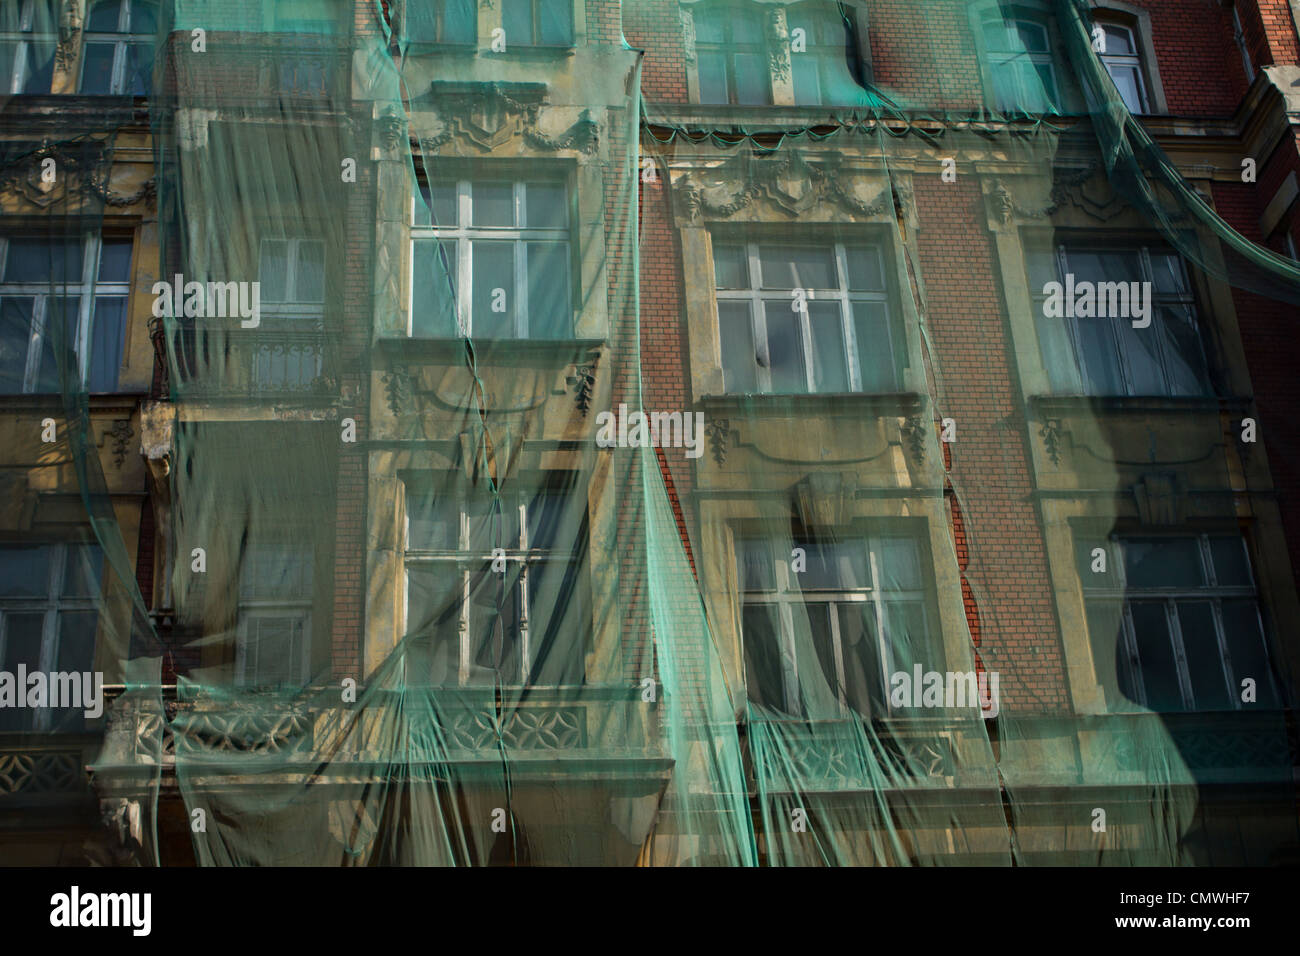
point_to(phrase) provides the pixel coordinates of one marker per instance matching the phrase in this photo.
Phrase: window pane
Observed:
(807, 79)
(899, 559)
(43, 260)
(23, 638)
(495, 618)
(863, 674)
(59, 345)
(865, 271)
(764, 671)
(547, 205)
(1141, 351)
(1247, 650)
(104, 17)
(433, 277)
(97, 68)
(730, 266)
(548, 290)
(1183, 354)
(555, 26)
(310, 279)
(797, 267)
(1231, 565)
(1100, 359)
(493, 289)
(834, 565)
(1128, 81)
(15, 334)
(785, 349)
(273, 270)
(1168, 273)
(517, 15)
(818, 676)
(739, 361)
(713, 77)
(1156, 655)
(40, 66)
(459, 21)
(1162, 563)
(1118, 40)
(436, 205)
(138, 79)
(115, 260)
(829, 365)
(24, 571)
(751, 79)
(875, 354)
(494, 204)
(76, 641)
(757, 572)
(107, 334)
(493, 524)
(144, 17)
(1204, 658)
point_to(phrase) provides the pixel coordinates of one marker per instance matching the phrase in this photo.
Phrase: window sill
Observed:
(882, 403)
(1056, 404)
(550, 352)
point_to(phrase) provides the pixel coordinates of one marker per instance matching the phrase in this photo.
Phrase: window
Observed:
(731, 57)
(1123, 61)
(860, 600)
(49, 597)
(118, 55)
(1104, 354)
(824, 70)
(292, 276)
(538, 22)
(28, 36)
(499, 585)
(275, 601)
(443, 21)
(491, 259)
(1184, 612)
(1239, 37)
(804, 318)
(1020, 59)
(62, 299)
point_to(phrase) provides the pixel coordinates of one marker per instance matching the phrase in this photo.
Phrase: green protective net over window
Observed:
(675, 432)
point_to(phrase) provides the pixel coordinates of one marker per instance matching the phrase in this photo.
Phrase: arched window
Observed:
(1117, 45)
(118, 56)
(1020, 60)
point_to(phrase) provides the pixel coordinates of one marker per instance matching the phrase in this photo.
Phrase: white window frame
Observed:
(89, 289)
(827, 56)
(756, 295)
(51, 605)
(787, 597)
(464, 233)
(1000, 58)
(23, 38)
(121, 40)
(1186, 299)
(1115, 61)
(296, 609)
(293, 307)
(1211, 593)
(467, 563)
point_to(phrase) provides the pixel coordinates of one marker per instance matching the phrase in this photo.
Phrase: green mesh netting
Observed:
(904, 562)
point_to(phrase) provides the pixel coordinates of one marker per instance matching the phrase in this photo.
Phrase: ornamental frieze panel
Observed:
(791, 184)
(486, 116)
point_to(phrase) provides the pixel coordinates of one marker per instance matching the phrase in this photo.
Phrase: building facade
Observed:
(669, 432)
